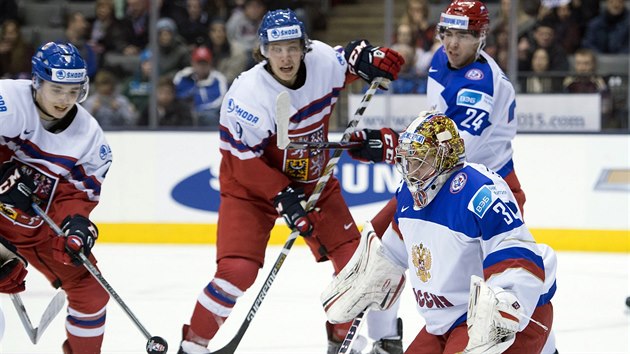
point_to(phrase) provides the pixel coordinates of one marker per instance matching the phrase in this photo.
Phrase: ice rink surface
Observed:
(160, 284)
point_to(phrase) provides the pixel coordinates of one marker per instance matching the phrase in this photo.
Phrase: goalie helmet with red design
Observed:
(466, 15)
(428, 152)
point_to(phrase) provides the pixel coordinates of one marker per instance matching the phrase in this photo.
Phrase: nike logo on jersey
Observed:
(403, 209)
(347, 226)
(431, 70)
(27, 132)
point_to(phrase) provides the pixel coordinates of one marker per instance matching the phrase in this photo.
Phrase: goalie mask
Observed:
(61, 64)
(428, 151)
(465, 15)
(281, 25)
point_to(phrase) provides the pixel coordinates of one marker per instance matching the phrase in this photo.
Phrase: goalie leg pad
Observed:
(370, 280)
(493, 318)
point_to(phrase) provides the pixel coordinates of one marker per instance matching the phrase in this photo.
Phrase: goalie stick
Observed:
(154, 344)
(347, 342)
(51, 311)
(282, 114)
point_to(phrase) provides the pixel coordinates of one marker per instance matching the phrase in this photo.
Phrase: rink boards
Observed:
(163, 188)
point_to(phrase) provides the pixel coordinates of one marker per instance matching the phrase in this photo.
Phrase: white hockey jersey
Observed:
(70, 165)
(481, 100)
(252, 163)
(472, 226)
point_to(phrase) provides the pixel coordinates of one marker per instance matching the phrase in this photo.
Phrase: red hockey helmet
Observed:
(471, 15)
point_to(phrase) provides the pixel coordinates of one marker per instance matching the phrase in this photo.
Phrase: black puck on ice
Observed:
(628, 301)
(157, 345)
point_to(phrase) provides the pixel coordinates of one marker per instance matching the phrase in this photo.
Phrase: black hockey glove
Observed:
(16, 187)
(370, 62)
(12, 269)
(378, 145)
(80, 235)
(290, 204)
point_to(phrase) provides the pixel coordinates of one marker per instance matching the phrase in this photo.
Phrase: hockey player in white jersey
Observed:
(458, 221)
(260, 182)
(54, 153)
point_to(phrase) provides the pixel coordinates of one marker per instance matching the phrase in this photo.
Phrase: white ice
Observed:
(160, 283)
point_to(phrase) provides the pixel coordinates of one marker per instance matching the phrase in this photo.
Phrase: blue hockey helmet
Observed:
(62, 64)
(281, 25)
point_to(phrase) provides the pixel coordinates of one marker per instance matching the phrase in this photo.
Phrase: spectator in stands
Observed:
(138, 14)
(76, 32)
(409, 81)
(193, 27)
(109, 34)
(539, 80)
(525, 21)
(608, 33)
(498, 44)
(171, 111)
(201, 87)
(586, 80)
(138, 88)
(587, 9)
(8, 10)
(218, 9)
(568, 26)
(228, 61)
(174, 54)
(543, 36)
(107, 105)
(417, 16)
(405, 35)
(15, 52)
(242, 28)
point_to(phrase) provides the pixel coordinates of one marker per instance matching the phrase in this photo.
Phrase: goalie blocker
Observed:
(372, 279)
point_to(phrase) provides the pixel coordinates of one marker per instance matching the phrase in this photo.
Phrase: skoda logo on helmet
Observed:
(60, 74)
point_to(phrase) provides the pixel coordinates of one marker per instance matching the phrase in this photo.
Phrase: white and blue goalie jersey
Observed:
(472, 226)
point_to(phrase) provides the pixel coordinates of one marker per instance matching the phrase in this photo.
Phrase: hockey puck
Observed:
(157, 345)
(628, 301)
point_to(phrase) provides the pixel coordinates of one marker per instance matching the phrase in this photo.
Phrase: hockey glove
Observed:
(16, 187)
(290, 204)
(378, 145)
(493, 318)
(80, 235)
(370, 62)
(12, 269)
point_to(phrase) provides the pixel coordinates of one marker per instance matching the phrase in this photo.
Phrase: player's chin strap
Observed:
(282, 108)
(493, 318)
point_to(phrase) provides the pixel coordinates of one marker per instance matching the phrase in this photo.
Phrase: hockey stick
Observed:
(283, 112)
(53, 308)
(154, 344)
(346, 345)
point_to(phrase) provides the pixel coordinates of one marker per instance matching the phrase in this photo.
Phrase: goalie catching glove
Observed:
(493, 318)
(370, 280)
(80, 235)
(370, 62)
(12, 269)
(378, 145)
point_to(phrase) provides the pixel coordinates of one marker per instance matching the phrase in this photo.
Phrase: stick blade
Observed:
(53, 308)
(283, 105)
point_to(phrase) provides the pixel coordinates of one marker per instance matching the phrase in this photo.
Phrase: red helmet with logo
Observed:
(468, 15)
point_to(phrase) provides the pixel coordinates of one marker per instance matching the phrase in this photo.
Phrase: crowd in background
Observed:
(204, 45)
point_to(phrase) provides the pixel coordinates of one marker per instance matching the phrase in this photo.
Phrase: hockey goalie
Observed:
(480, 281)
